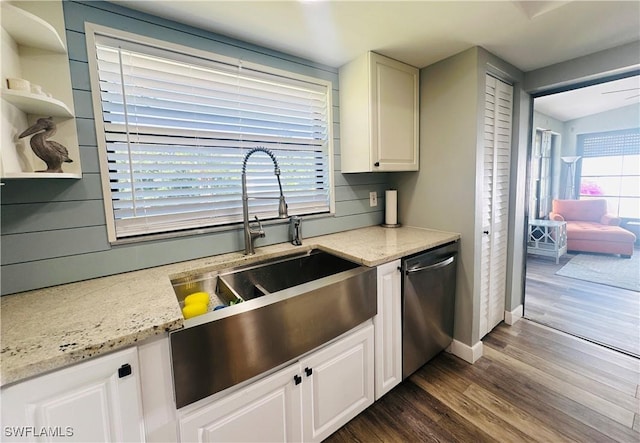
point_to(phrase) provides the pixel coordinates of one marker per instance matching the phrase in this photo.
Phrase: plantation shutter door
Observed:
(495, 202)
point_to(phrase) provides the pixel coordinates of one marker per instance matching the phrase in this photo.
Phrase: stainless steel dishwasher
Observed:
(428, 297)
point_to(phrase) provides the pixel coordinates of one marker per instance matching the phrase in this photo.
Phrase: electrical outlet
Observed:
(373, 198)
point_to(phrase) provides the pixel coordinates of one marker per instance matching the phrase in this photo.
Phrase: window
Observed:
(541, 173)
(174, 126)
(611, 169)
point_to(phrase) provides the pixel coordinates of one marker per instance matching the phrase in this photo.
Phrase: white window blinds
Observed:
(176, 128)
(611, 143)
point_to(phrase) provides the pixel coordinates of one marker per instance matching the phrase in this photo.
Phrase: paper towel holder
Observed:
(391, 209)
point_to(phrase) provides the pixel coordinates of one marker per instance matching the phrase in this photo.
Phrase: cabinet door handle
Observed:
(124, 370)
(308, 371)
(440, 264)
(376, 164)
(485, 232)
(297, 379)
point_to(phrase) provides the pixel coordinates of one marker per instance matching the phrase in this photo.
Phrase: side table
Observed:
(548, 238)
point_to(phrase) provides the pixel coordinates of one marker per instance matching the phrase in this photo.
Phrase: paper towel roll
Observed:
(391, 207)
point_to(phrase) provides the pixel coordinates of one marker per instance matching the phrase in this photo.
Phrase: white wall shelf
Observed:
(36, 104)
(28, 29)
(34, 49)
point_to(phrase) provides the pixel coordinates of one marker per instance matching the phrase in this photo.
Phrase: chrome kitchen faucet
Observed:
(252, 233)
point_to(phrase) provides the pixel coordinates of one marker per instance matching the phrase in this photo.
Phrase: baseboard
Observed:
(470, 354)
(510, 317)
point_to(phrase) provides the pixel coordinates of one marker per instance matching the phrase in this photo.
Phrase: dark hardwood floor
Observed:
(533, 383)
(599, 313)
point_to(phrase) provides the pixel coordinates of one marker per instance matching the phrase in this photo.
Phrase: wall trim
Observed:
(470, 354)
(510, 317)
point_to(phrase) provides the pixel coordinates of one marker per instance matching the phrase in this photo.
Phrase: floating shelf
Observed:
(17, 175)
(36, 104)
(30, 30)
(35, 51)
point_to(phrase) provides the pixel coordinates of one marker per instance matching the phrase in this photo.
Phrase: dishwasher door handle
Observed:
(440, 264)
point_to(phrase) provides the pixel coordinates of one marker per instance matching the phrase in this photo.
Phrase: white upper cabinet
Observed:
(34, 49)
(378, 115)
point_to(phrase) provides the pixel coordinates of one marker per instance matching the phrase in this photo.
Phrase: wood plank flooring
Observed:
(533, 384)
(599, 313)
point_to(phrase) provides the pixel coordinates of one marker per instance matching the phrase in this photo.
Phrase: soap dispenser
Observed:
(295, 230)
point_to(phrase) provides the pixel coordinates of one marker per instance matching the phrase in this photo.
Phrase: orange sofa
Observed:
(591, 229)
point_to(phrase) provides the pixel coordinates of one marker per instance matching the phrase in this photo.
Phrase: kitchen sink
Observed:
(229, 287)
(275, 311)
(209, 282)
(263, 279)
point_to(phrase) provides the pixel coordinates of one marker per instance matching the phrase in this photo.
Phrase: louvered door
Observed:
(495, 204)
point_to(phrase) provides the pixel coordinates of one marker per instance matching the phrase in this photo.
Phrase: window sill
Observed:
(213, 229)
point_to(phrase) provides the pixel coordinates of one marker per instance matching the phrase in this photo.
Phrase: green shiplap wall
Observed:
(54, 231)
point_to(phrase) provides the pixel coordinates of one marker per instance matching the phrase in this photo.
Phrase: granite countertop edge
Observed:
(49, 337)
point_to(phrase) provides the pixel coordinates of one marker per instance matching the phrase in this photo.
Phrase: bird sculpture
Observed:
(49, 151)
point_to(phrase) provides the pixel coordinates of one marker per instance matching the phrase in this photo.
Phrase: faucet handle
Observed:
(259, 232)
(295, 230)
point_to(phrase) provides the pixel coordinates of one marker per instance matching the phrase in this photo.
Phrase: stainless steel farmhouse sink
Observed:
(280, 309)
(264, 279)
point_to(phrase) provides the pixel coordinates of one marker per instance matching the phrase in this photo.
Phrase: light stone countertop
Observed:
(47, 329)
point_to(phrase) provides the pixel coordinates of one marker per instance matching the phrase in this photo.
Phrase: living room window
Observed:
(174, 124)
(610, 169)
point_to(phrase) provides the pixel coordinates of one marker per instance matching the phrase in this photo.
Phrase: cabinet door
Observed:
(266, 411)
(87, 402)
(337, 384)
(388, 329)
(394, 91)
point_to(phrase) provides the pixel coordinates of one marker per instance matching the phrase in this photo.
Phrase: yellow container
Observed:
(197, 297)
(194, 309)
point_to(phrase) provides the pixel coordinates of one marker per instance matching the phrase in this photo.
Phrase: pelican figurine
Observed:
(50, 152)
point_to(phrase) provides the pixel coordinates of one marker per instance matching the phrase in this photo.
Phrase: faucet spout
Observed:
(249, 233)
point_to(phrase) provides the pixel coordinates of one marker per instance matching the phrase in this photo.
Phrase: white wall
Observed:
(447, 191)
(543, 121)
(614, 61)
(442, 195)
(621, 118)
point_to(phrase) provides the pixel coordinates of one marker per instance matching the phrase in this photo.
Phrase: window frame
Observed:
(587, 137)
(91, 30)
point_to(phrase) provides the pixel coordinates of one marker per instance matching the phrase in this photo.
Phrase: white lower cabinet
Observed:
(268, 410)
(306, 401)
(98, 400)
(388, 327)
(337, 384)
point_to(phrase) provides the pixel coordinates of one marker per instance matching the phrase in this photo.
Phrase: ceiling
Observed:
(527, 34)
(590, 100)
